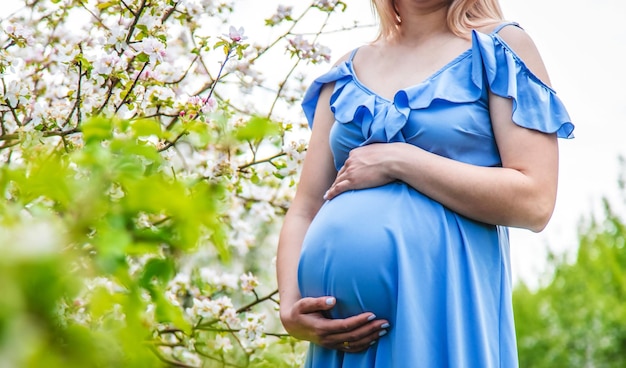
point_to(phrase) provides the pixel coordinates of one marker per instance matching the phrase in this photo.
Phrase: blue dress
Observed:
(441, 279)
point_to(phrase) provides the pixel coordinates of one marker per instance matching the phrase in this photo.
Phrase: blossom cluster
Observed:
(328, 5)
(19, 34)
(212, 308)
(283, 13)
(306, 50)
(138, 89)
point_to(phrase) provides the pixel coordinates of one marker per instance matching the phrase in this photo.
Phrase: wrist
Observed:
(394, 166)
(284, 308)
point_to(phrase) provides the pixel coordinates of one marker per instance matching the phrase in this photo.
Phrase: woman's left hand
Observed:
(366, 167)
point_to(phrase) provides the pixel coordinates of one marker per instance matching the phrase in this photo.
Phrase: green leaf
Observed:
(146, 128)
(106, 5)
(199, 133)
(143, 57)
(256, 129)
(102, 302)
(157, 269)
(112, 242)
(97, 129)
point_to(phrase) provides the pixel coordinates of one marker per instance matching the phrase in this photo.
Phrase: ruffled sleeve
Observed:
(339, 74)
(350, 102)
(535, 105)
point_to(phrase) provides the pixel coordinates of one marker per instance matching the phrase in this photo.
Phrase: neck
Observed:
(421, 22)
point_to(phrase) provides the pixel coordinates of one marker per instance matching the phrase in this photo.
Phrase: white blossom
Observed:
(283, 12)
(326, 4)
(221, 308)
(223, 343)
(248, 282)
(102, 282)
(150, 21)
(295, 150)
(21, 33)
(195, 7)
(108, 63)
(263, 211)
(305, 50)
(117, 37)
(253, 329)
(152, 47)
(17, 92)
(186, 356)
(64, 52)
(222, 281)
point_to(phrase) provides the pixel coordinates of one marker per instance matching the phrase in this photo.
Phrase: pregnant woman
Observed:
(426, 145)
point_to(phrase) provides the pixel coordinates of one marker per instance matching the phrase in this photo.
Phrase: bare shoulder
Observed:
(364, 51)
(522, 44)
(342, 59)
(346, 56)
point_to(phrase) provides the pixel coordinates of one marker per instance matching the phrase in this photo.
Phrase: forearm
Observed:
(495, 195)
(318, 172)
(289, 245)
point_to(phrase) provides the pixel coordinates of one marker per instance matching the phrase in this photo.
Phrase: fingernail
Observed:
(373, 342)
(330, 301)
(384, 325)
(382, 333)
(326, 195)
(372, 317)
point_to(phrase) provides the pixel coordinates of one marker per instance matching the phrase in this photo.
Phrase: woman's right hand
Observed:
(305, 320)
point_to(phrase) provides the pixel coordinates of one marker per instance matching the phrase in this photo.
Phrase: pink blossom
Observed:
(205, 105)
(235, 34)
(209, 105)
(196, 100)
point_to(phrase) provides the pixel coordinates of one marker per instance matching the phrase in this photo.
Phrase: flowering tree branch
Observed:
(158, 237)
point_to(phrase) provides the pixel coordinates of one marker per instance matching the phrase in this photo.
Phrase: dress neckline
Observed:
(350, 63)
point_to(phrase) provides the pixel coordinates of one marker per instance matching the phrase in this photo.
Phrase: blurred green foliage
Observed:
(69, 215)
(579, 318)
(112, 210)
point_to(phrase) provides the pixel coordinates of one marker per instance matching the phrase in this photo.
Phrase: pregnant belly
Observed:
(353, 245)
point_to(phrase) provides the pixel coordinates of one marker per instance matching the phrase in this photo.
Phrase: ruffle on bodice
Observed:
(492, 65)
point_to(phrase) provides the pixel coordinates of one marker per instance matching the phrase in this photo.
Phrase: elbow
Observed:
(538, 225)
(539, 215)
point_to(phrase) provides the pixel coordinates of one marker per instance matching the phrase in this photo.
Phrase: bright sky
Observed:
(582, 44)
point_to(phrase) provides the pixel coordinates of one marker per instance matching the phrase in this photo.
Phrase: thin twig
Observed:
(76, 106)
(279, 38)
(46, 134)
(269, 159)
(84, 5)
(169, 12)
(222, 360)
(282, 85)
(128, 7)
(137, 15)
(172, 143)
(257, 301)
(132, 86)
(108, 94)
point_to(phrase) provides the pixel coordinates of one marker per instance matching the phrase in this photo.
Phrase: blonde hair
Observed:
(463, 16)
